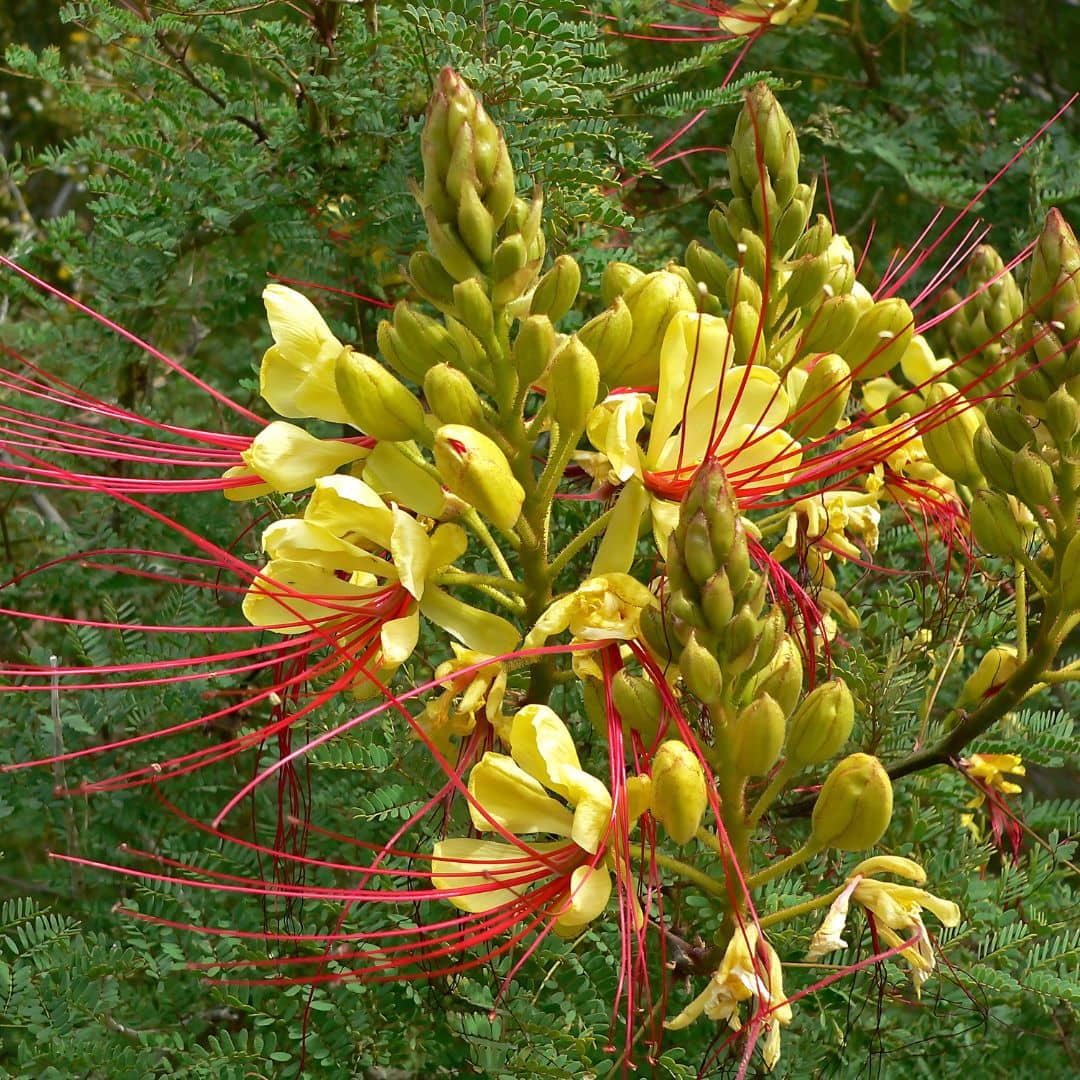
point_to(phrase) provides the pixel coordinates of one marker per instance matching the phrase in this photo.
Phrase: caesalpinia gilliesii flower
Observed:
(896, 911)
(515, 795)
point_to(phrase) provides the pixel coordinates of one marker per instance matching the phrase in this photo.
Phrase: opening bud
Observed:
(997, 666)
(474, 468)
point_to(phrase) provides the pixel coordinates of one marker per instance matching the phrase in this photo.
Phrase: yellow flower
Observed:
(990, 770)
(750, 16)
(894, 908)
(297, 373)
(750, 969)
(453, 710)
(516, 794)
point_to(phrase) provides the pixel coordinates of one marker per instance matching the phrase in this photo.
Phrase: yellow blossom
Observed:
(990, 771)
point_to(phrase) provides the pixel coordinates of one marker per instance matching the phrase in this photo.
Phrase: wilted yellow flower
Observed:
(990, 771)
(453, 710)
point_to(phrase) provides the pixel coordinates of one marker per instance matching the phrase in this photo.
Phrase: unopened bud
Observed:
(948, 440)
(1062, 419)
(764, 136)
(790, 226)
(1070, 579)
(472, 306)
(475, 225)
(707, 267)
(450, 249)
(421, 341)
(823, 398)
(747, 334)
(533, 346)
(756, 736)
(854, 806)
(1009, 426)
(1034, 478)
(607, 335)
(679, 794)
(510, 258)
(557, 290)
(617, 278)
(782, 677)
(652, 302)
(997, 666)
(573, 387)
(377, 403)
(717, 601)
(430, 279)
(700, 671)
(697, 550)
(994, 525)
(452, 396)
(822, 724)
(830, 326)
(1055, 269)
(638, 703)
(880, 338)
(993, 460)
(474, 468)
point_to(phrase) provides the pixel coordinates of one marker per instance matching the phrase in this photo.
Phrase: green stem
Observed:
(778, 869)
(590, 532)
(1021, 614)
(768, 796)
(687, 873)
(489, 586)
(479, 526)
(804, 908)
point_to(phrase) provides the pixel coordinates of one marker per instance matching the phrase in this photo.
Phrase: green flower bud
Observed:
(474, 468)
(1062, 419)
(1008, 425)
(948, 441)
(994, 525)
(854, 806)
(572, 388)
(790, 226)
(1070, 580)
(742, 288)
(1055, 270)
(993, 460)
(476, 226)
(764, 134)
(452, 396)
(533, 347)
(1034, 480)
(816, 239)
(617, 279)
(773, 631)
(607, 335)
(806, 281)
(450, 249)
(472, 356)
(736, 647)
(393, 352)
(880, 338)
(657, 634)
(995, 669)
(821, 725)
(638, 703)
(707, 267)
(472, 306)
(680, 797)
(377, 403)
(696, 549)
(700, 671)
(747, 334)
(830, 326)
(652, 302)
(509, 259)
(782, 677)
(824, 397)
(557, 290)
(431, 280)
(717, 601)
(756, 736)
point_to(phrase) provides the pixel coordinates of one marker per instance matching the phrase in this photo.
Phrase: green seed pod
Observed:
(821, 725)
(756, 736)
(680, 797)
(638, 703)
(557, 290)
(533, 347)
(573, 388)
(854, 807)
(617, 278)
(824, 397)
(452, 396)
(377, 403)
(994, 525)
(880, 338)
(707, 267)
(701, 673)
(948, 442)
(474, 468)
(1034, 480)
(830, 326)
(607, 335)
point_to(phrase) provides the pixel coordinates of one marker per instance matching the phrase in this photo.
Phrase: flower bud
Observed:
(430, 279)
(474, 468)
(790, 226)
(510, 258)
(831, 325)
(756, 736)
(823, 398)
(1034, 480)
(700, 671)
(607, 335)
(472, 306)
(638, 703)
(822, 724)
(993, 460)
(764, 135)
(475, 225)
(652, 301)
(679, 794)
(377, 403)
(854, 806)
(1062, 419)
(421, 341)
(1009, 426)
(948, 441)
(533, 347)
(782, 677)
(1055, 270)
(573, 387)
(617, 279)
(449, 248)
(1070, 580)
(657, 634)
(880, 338)
(994, 525)
(747, 334)
(997, 666)
(717, 601)
(697, 550)
(735, 649)
(452, 396)
(707, 267)
(557, 290)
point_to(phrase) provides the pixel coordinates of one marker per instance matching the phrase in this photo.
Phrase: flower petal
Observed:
(289, 459)
(500, 873)
(479, 630)
(292, 597)
(506, 795)
(590, 890)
